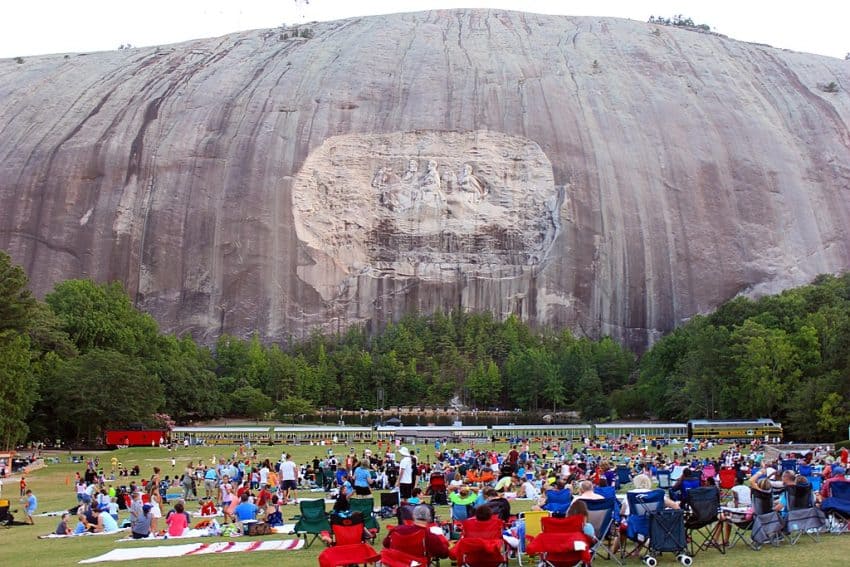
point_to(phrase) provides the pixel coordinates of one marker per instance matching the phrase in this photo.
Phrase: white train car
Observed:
(329, 434)
(454, 433)
(611, 431)
(554, 432)
(221, 435)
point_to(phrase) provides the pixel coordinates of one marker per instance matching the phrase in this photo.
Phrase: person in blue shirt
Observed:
(31, 505)
(246, 510)
(362, 479)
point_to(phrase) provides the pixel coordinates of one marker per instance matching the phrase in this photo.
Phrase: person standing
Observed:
(289, 479)
(31, 504)
(405, 477)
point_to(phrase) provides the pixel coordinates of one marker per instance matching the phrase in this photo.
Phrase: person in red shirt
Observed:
(208, 508)
(23, 485)
(263, 497)
(845, 455)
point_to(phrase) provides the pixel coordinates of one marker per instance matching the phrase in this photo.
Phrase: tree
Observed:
(102, 389)
(18, 388)
(250, 402)
(16, 301)
(592, 404)
(101, 316)
(186, 372)
(292, 406)
(484, 383)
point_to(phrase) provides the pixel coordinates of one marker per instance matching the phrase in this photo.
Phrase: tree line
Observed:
(85, 359)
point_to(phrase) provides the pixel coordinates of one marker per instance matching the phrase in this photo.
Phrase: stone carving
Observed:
(352, 208)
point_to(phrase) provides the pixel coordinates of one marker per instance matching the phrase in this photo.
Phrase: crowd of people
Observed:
(555, 476)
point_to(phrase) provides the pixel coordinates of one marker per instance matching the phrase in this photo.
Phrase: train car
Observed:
(762, 428)
(329, 434)
(135, 437)
(648, 430)
(222, 435)
(455, 433)
(560, 432)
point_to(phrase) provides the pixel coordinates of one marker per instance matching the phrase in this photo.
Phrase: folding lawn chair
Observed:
(624, 475)
(728, 477)
(740, 520)
(366, 506)
(532, 526)
(562, 542)
(702, 507)
(767, 524)
(837, 507)
(347, 546)
(803, 516)
(601, 515)
(641, 506)
(478, 552)
(313, 520)
(664, 481)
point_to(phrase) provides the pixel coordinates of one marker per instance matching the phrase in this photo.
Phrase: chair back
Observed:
(762, 501)
(689, 484)
(728, 478)
(558, 501)
(437, 482)
(491, 529)
(708, 471)
(805, 470)
(365, 506)
(641, 505)
(534, 522)
(799, 496)
(566, 525)
(664, 480)
(703, 505)
(461, 512)
(312, 509)
(601, 513)
(840, 490)
(412, 543)
(347, 530)
(390, 499)
(624, 475)
(610, 493)
(480, 552)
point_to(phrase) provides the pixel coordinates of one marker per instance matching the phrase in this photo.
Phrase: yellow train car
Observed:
(763, 428)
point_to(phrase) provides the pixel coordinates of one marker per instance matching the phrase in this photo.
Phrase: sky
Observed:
(32, 27)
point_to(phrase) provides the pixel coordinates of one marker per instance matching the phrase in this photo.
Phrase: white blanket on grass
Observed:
(161, 551)
(285, 529)
(56, 536)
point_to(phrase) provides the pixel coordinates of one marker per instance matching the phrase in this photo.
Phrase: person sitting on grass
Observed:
(105, 522)
(208, 507)
(177, 520)
(141, 525)
(62, 528)
(246, 510)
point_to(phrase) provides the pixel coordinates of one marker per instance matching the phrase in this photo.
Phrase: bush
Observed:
(19, 60)
(842, 444)
(831, 87)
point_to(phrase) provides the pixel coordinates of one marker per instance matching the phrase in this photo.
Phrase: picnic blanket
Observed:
(57, 536)
(51, 514)
(161, 551)
(285, 529)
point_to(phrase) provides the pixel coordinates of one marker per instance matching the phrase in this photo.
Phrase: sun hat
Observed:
(404, 452)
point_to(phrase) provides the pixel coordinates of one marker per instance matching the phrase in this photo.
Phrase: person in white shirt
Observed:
(289, 479)
(264, 475)
(405, 475)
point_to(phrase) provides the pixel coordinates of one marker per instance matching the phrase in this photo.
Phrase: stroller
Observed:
(6, 517)
(437, 489)
(667, 534)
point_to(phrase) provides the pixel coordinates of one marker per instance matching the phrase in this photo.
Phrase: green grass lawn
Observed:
(53, 486)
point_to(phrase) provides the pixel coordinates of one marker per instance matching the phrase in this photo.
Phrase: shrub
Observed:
(831, 87)
(841, 444)
(19, 60)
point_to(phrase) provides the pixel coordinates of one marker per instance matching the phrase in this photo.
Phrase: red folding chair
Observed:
(397, 558)
(478, 552)
(347, 545)
(728, 479)
(562, 543)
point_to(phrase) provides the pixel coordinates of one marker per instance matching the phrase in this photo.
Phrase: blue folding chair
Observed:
(601, 516)
(641, 506)
(664, 481)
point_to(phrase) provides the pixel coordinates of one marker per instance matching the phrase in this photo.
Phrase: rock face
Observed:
(608, 175)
